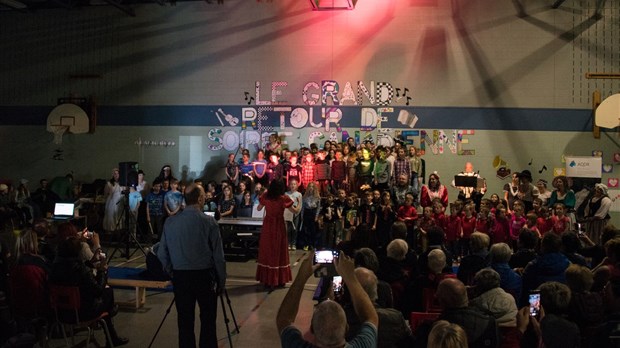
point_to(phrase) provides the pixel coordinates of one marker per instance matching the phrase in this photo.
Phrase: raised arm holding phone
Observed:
(328, 320)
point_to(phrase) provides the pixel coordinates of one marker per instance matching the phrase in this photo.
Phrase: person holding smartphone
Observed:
(328, 320)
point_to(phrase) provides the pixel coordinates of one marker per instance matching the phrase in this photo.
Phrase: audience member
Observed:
(526, 252)
(447, 335)
(549, 266)
(586, 307)
(491, 298)
(477, 260)
(481, 328)
(571, 246)
(393, 330)
(510, 281)
(555, 328)
(435, 237)
(366, 257)
(95, 296)
(328, 320)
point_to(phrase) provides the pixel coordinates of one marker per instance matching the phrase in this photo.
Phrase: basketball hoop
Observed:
(58, 132)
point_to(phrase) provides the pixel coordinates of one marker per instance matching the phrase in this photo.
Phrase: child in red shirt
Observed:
(500, 231)
(561, 222)
(438, 214)
(453, 229)
(427, 221)
(408, 214)
(531, 223)
(482, 218)
(468, 222)
(517, 221)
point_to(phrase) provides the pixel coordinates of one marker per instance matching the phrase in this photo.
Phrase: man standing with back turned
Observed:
(191, 252)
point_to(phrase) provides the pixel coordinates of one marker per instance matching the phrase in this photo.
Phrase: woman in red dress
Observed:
(274, 268)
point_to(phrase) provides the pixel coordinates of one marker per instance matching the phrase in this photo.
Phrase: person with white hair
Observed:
(393, 329)
(597, 212)
(329, 323)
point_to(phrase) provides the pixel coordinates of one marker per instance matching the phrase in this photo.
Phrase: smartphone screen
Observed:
(337, 285)
(324, 256)
(534, 304)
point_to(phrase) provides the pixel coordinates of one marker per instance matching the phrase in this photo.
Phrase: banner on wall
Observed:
(584, 167)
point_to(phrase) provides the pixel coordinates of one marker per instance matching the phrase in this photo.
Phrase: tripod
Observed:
(226, 320)
(126, 235)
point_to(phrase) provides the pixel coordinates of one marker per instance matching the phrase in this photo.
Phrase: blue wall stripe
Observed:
(566, 120)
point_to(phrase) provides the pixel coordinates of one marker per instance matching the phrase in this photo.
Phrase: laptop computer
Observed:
(63, 211)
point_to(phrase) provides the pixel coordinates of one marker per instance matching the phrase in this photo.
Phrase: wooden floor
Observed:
(254, 308)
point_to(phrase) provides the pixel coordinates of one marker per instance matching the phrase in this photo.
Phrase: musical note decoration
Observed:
(544, 167)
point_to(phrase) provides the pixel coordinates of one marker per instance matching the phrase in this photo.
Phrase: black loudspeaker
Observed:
(128, 173)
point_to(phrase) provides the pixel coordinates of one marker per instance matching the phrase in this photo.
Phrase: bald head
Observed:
(193, 194)
(469, 168)
(329, 324)
(452, 293)
(368, 281)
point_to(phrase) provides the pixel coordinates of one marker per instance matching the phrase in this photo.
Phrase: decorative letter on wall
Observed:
(276, 92)
(385, 93)
(314, 97)
(249, 137)
(214, 135)
(330, 88)
(369, 119)
(363, 91)
(315, 125)
(460, 140)
(331, 115)
(248, 115)
(230, 141)
(348, 94)
(299, 118)
(257, 90)
(314, 135)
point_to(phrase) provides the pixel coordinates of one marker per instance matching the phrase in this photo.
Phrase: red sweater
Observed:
(469, 225)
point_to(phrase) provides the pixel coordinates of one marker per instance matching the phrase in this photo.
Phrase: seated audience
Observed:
(476, 260)
(597, 251)
(447, 335)
(571, 246)
(419, 294)
(435, 237)
(366, 257)
(90, 246)
(510, 281)
(492, 299)
(392, 269)
(549, 266)
(393, 329)
(609, 266)
(481, 328)
(28, 277)
(606, 334)
(555, 327)
(526, 249)
(95, 296)
(586, 307)
(329, 323)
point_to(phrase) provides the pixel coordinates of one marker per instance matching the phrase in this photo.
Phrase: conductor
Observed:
(191, 252)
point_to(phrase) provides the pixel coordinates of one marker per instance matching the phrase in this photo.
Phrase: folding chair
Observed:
(65, 302)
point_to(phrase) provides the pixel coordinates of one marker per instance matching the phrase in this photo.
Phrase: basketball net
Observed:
(58, 132)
